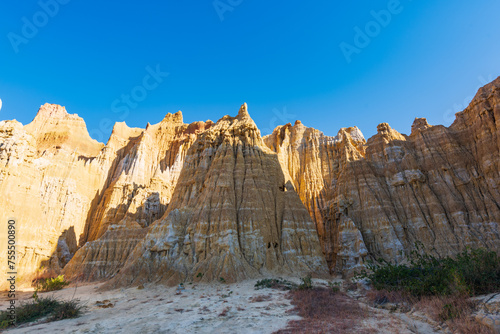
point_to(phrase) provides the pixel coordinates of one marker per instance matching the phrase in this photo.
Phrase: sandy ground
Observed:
(200, 308)
(159, 309)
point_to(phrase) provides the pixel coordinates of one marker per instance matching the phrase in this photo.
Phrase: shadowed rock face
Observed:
(204, 201)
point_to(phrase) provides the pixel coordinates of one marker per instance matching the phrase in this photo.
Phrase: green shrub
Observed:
(4, 324)
(67, 310)
(306, 283)
(273, 283)
(50, 284)
(471, 272)
(479, 269)
(334, 286)
(282, 284)
(41, 308)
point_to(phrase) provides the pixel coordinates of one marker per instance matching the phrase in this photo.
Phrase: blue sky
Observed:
(284, 58)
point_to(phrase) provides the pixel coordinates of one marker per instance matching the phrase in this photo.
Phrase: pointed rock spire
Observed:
(52, 110)
(419, 124)
(174, 118)
(243, 110)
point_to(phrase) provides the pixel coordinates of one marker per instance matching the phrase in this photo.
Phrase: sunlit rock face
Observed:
(49, 176)
(205, 201)
(232, 216)
(147, 164)
(314, 163)
(438, 186)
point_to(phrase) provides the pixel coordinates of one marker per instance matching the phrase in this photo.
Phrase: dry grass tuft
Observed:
(455, 311)
(260, 299)
(104, 304)
(225, 312)
(324, 311)
(381, 297)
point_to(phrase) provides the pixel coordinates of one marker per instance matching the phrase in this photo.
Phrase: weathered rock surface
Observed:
(488, 312)
(148, 163)
(231, 216)
(66, 190)
(47, 184)
(314, 163)
(176, 201)
(438, 186)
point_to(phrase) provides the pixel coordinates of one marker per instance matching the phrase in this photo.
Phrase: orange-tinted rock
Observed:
(439, 186)
(48, 179)
(172, 201)
(141, 184)
(231, 216)
(314, 162)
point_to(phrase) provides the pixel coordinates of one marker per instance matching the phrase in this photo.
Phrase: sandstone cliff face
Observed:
(66, 190)
(231, 216)
(202, 201)
(438, 186)
(47, 184)
(313, 163)
(145, 173)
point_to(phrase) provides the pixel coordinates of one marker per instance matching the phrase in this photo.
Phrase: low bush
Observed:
(50, 284)
(67, 310)
(306, 283)
(471, 272)
(273, 283)
(40, 308)
(282, 284)
(334, 286)
(439, 286)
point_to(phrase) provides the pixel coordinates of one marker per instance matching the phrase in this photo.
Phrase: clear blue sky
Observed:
(281, 57)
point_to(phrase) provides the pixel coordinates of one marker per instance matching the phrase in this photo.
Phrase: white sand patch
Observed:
(157, 309)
